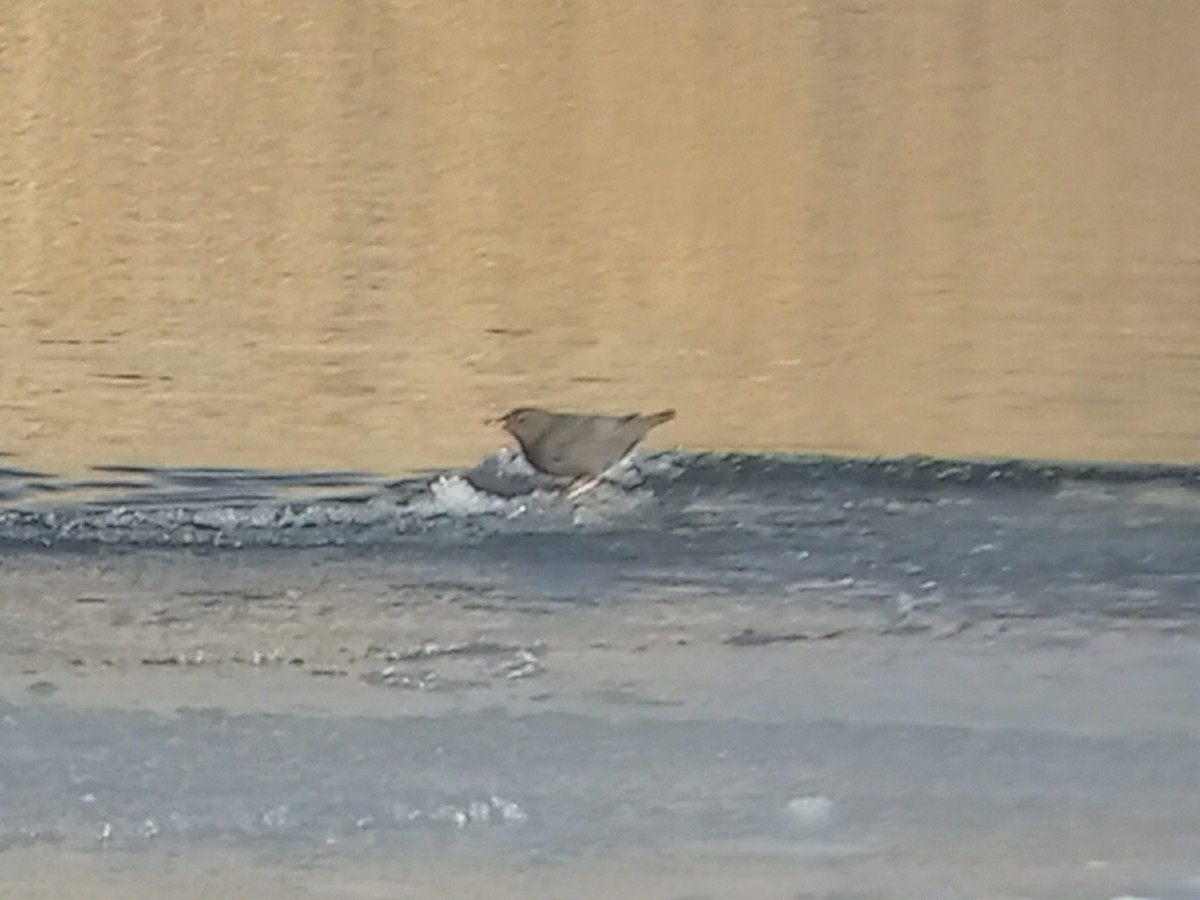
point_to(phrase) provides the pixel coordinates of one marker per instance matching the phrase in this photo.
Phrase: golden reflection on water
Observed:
(306, 234)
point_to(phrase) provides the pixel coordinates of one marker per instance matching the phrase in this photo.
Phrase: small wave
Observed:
(752, 493)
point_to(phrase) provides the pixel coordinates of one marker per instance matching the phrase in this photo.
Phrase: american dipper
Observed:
(577, 446)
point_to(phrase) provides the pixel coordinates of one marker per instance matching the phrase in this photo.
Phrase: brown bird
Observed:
(577, 446)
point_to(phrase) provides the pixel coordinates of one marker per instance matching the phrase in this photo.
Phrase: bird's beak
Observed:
(495, 420)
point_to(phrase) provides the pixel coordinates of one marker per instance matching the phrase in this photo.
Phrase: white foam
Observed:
(812, 811)
(454, 495)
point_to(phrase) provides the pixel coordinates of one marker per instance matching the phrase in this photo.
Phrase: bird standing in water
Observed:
(575, 445)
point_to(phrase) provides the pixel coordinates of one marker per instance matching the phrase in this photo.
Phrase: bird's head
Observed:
(524, 422)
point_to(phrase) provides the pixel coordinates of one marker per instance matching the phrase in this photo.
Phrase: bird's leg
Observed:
(582, 486)
(585, 483)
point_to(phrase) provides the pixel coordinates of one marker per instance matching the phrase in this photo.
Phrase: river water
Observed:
(309, 236)
(726, 675)
(278, 617)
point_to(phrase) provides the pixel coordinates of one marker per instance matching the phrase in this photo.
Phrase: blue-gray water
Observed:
(1042, 535)
(828, 662)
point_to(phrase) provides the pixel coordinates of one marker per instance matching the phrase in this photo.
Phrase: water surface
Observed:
(310, 236)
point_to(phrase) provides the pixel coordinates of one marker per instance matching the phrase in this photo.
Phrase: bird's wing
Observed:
(570, 449)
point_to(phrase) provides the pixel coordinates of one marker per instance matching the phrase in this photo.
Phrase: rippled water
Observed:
(305, 235)
(822, 660)
(257, 255)
(1043, 535)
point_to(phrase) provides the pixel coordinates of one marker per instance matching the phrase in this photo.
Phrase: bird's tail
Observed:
(659, 418)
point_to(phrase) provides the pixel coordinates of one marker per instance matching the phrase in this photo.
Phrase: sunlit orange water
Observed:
(306, 234)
